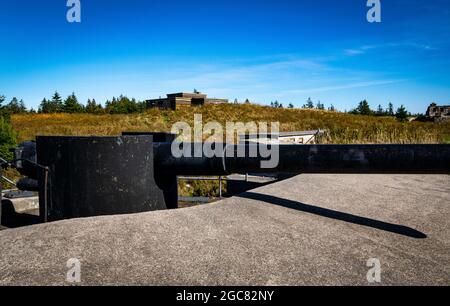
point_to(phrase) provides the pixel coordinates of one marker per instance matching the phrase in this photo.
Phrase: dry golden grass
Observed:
(342, 128)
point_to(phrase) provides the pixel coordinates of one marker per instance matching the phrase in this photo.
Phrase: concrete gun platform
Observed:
(308, 230)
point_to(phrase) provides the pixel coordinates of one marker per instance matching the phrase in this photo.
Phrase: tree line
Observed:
(277, 104)
(401, 113)
(125, 105)
(309, 105)
(363, 108)
(71, 105)
(320, 106)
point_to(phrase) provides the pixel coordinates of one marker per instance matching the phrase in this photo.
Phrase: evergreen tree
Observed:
(91, 106)
(401, 114)
(309, 104)
(380, 111)
(22, 107)
(142, 106)
(8, 138)
(111, 106)
(56, 104)
(390, 110)
(99, 107)
(13, 106)
(320, 106)
(332, 108)
(123, 105)
(72, 106)
(363, 108)
(291, 106)
(44, 107)
(132, 106)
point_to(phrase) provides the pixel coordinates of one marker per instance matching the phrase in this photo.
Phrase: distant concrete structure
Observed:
(183, 99)
(438, 113)
(296, 138)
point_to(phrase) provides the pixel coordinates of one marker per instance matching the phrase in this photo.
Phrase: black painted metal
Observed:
(25, 159)
(164, 180)
(28, 184)
(351, 159)
(158, 137)
(92, 176)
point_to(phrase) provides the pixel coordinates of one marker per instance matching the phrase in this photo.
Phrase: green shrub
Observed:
(8, 138)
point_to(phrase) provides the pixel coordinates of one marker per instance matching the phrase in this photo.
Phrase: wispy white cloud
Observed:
(360, 50)
(365, 48)
(414, 45)
(343, 86)
(352, 52)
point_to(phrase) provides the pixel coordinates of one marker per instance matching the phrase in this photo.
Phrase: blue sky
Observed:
(261, 50)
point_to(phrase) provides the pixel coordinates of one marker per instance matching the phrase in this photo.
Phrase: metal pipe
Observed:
(342, 159)
(27, 184)
(8, 181)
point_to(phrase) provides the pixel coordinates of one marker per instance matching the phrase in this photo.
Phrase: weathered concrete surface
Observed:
(22, 205)
(309, 230)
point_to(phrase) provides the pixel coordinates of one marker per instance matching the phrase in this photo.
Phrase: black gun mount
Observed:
(136, 172)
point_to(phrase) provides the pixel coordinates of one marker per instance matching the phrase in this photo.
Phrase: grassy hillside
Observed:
(342, 128)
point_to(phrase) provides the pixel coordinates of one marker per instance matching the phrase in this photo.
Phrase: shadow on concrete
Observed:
(333, 214)
(12, 219)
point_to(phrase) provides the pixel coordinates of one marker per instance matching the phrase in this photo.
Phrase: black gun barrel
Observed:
(95, 176)
(342, 159)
